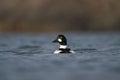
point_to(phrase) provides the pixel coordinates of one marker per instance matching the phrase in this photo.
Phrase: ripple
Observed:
(28, 57)
(86, 50)
(28, 47)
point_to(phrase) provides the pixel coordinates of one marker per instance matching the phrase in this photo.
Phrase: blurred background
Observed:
(59, 15)
(91, 27)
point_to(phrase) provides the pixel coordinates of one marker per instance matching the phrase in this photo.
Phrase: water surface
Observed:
(30, 57)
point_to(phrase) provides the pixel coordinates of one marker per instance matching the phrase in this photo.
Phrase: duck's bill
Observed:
(55, 41)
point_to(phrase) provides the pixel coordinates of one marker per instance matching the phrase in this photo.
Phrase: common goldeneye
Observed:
(61, 39)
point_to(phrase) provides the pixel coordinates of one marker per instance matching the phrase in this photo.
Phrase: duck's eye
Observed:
(60, 40)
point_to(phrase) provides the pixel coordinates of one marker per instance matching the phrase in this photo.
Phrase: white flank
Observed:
(72, 51)
(57, 52)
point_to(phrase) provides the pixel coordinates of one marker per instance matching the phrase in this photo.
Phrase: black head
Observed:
(61, 39)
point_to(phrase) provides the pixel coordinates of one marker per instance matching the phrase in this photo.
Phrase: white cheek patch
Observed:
(59, 40)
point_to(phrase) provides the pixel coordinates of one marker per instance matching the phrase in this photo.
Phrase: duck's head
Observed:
(61, 39)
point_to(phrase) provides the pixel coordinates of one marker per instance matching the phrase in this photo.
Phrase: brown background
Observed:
(59, 15)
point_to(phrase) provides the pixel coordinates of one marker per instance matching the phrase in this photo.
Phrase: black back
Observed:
(67, 50)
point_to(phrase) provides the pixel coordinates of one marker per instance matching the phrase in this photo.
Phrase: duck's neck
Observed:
(63, 46)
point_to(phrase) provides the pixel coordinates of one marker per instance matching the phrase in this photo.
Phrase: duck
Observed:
(63, 48)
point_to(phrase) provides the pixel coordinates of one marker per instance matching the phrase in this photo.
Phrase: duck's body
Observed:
(63, 51)
(63, 45)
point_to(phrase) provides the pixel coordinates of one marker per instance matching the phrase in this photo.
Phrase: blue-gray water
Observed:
(30, 57)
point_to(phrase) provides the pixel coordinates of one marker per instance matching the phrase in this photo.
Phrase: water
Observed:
(30, 57)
